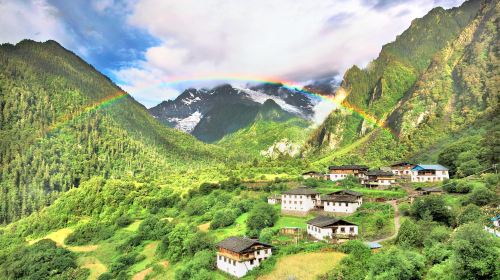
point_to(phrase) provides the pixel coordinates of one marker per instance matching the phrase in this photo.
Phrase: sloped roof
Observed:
(325, 221)
(239, 244)
(429, 167)
(340, 198)
(402, 163)
(301, 191)
(379, 173)
(312, 172)
(348, 167)
(346, 192)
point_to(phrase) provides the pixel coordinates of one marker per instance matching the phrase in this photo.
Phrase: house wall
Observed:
(271, 201)
(298, 202)
(341, 207)
(327, 233)
(439, 175)
(241, 268)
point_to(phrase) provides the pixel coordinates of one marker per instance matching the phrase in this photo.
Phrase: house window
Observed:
(342, 229)
(251, 262)
(351, 229)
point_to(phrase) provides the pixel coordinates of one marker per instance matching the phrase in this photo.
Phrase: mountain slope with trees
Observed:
(436, 83)
(62, 122)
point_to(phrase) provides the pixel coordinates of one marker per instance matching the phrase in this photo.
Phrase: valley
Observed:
(398, 181)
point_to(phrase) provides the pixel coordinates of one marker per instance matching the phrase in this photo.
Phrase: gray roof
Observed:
(301, 191)
(348, 167)
(340, 198)
(239, 244)
(346, 192)
(325, 221)
(379, 173)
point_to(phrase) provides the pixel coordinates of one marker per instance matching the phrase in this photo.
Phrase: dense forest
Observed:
(93, 187)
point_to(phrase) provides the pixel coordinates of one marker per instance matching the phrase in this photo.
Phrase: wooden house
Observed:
(340, 172)
(313, 175)
(379, 178)
(402, 169)
(238, 255)
(328, 228)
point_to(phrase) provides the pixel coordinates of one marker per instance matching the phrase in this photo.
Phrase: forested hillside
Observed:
(62, 122)
(436, 83)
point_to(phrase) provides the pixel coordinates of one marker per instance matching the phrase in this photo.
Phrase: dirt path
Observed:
(396, 222)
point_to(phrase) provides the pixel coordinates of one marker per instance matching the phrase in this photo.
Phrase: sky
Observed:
(154, 49)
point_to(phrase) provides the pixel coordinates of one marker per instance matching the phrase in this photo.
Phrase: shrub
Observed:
(409, 235)
(123, 221)
(475, 253)
(481, 196)
(261, 216)
(223, 218)
(471, 213)
(89, 233)
(431, 207)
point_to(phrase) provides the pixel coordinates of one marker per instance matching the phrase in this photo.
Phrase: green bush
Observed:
(481, 196)
(123, 221)
(223, 218)
(90, 232)
(261, 216)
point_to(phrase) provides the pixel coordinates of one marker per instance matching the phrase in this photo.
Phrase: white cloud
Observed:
(36, 20)
(295, 40)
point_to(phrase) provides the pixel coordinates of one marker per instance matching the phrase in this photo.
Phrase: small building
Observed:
(238, 255)
(313, 175)
(429, 173)
(427, 191)
(327, 228)
(299, 200)
(402, 169)
(341, 172)
(373, 246)
(379, 178)
(344, 201)
(290, 231)
(274, 199)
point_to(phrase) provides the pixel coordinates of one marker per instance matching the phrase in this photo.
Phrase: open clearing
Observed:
(304, 266)
(94, 265)
(60, 235)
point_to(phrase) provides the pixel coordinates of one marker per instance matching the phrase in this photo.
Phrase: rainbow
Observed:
(338, 99)
(95, 106)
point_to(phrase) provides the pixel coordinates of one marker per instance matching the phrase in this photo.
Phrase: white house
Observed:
(496, 221)
(274, 199)
(313, 175)
(326, 228)
(238, 255)
(344, 201)
(300, 200)
(379, 178)
(341, 172)
(429, 173)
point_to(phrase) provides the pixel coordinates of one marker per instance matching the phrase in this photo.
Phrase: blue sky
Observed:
(156, 48)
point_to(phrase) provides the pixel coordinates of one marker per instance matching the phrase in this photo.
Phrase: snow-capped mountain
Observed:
(194, 110)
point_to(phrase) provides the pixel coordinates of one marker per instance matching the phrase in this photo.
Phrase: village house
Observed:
(344, 201)
(379, 178)
(427, 191)
(402, 169)
(299, 200)
(496, 221)
(313, 175)
(429, 173)
(341, 172)
(327, 228)
(274, 199)
(238, 255)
